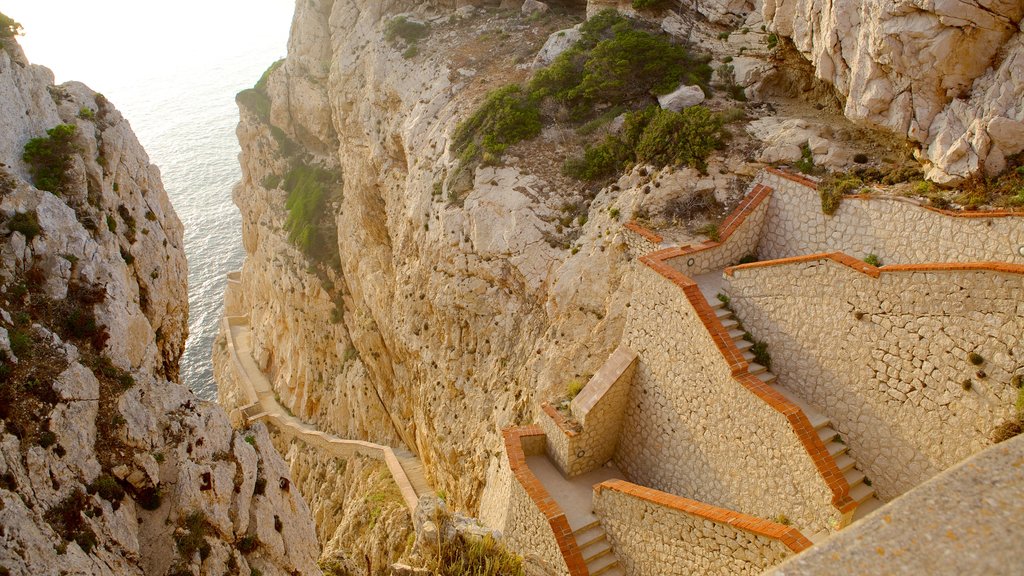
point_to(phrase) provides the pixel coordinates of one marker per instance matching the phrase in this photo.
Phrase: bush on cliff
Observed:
(507, 116)
(310, 225)
(49, 157)
(8, 27)
(653, 136)
(616, 62)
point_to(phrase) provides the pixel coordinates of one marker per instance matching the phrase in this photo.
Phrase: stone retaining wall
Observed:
(885, 353)
(697, 423)
(579, 446)
(535, 525)
(659, 534)
(640, 240)
(897, 230)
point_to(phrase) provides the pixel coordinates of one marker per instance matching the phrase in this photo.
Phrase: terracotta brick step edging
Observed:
(788, 535)
(732, 222)
(875, 272)
(740, 369)
(541, 498)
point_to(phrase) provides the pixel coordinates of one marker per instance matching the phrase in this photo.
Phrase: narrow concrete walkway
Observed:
(574, 496)
(710, 284)
(406, 469)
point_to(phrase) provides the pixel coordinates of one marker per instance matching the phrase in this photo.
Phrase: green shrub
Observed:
(25, 222)
(86, 113)
(411, 52)
(507, 116)
(247, 544)
(614, 63)
(271, 182)
(67, 518)
(310, 225)
(834, 187)
(711, 231)
(477, 556)
(806, 162)
(256, 101)
(598, 162)
(8, 27)
(49, 157)
(682, 138)
(873, 260)
(261, 84)
(975, 358)
(574, 387)
(20, 342)
(149, 499)
(192, 537)
(772, 41)
(408, 30)
(107, 487)
(650, 4)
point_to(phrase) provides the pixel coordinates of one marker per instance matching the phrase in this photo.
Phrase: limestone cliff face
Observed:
(945, 73)
(452, 315)
(107, 464)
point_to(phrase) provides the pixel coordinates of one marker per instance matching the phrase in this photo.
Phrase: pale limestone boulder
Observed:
(936, 72)
(556, 44)
(682, 97)
(531, 7)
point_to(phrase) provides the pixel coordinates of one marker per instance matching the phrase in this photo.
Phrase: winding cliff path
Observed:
(406, 469)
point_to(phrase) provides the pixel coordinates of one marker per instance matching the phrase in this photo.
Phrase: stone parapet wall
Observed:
(885, 353)
(535, 525)
(698, 423)
(640, 240)
(965, 520)
(739, 235)
(659, 534)
(579, 446)
(897, 230)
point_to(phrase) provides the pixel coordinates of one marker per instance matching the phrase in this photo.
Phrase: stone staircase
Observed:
(860, 487)
(597, 550)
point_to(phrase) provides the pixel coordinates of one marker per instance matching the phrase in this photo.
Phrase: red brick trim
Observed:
(650, 235)
(731, 223)
(541, 498)
(954, 213)
(838, 257)
(823, 461)
(788, 535)
(868, 269)
(803, 180)
(559, 419)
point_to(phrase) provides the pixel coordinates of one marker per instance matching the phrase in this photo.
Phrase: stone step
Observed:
(854, 477)
(826, 434)
(602, 564)
(596, 553)
(818, 420)
(819, 537)
(861, 492)
(594, 541)
(835, 448)
(730, 323)
(748, 356)
(867, 507)
(611, 570)
(755, 368)
(715, 303)
(722, 313)
(736, 334)
(743, 345)
(767, 377)
(586, 534)
(845, 463)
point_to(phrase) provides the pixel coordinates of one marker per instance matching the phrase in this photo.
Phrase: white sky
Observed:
(97, 41)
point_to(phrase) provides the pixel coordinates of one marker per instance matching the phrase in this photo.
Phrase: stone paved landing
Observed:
(575, 496)
(710, 284)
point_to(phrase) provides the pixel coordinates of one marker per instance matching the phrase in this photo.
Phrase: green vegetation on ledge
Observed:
(310, 225)
(49, 157)
(617, 65)
(8, 27)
